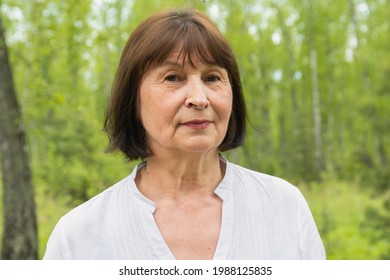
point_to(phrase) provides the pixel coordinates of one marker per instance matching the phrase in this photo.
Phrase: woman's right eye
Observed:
(171, 78)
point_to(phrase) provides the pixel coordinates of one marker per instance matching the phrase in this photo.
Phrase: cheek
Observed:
(148, 103)
(149, 119)
(224, 107)
(156, 115)
(147, 112)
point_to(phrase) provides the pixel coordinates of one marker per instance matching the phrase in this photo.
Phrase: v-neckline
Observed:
(154, 236)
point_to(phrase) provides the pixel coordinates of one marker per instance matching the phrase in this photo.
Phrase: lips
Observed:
(197, 124)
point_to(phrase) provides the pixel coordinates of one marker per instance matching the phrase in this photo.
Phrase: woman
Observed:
(177, 103)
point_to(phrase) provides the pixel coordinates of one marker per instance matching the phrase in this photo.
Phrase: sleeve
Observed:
(56, 248)
(310, 243)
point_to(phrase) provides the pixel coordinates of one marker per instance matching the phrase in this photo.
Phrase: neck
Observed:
(192, 175)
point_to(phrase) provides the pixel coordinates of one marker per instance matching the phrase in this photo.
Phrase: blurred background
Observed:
(316, 78)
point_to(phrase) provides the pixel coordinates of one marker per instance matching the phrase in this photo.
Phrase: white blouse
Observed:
(263, 217)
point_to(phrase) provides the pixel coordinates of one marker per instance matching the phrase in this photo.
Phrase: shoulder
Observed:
(284, 208)
(269, 192)
(261, 182)
(83, 232)
(96, 207)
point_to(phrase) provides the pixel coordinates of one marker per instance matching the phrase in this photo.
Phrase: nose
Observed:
(196, 95)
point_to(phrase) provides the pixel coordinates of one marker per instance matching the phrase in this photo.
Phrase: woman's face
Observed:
(185, 108)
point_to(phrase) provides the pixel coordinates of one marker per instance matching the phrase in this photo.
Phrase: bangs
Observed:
(194, 42)
(196, 48)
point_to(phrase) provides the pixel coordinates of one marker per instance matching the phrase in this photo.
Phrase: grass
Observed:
(341, 211)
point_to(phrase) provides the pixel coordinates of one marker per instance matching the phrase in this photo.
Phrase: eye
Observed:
(171, 78)
(212, 78)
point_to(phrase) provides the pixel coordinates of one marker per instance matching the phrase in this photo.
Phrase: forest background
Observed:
(316, 78)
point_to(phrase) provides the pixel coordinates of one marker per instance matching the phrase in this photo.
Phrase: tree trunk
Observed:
(316, 110)
(316, 102)
(20, 228)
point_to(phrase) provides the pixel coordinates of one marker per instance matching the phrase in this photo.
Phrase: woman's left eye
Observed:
(212, 78)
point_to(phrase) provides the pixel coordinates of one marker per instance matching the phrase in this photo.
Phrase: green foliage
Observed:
(64, 56)
(353, 223)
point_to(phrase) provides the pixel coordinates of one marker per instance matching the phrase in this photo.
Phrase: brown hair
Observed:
(150, 44)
